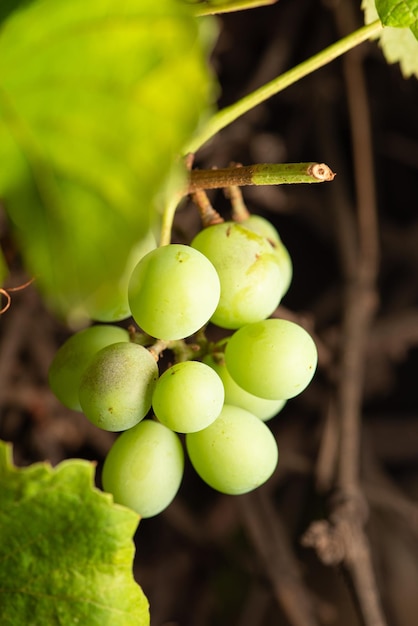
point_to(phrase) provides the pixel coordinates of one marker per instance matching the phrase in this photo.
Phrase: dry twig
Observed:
(278, 561)
(343, 538)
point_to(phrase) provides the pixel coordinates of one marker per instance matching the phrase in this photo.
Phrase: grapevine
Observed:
(225, 373)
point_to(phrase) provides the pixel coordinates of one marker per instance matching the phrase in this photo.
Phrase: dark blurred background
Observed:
(213, 560)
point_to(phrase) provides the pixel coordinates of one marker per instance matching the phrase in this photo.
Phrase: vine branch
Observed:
(238, 176)
(344, 539)
(229, 6)
(229, 114)
(260, 174)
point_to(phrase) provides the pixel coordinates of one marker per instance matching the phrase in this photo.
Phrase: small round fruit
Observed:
(263, 227)
(235, 454)
(173, 292)
(188, 397)
(273, 359)
(144, 468)
(117, 386)
(237, 396)
(249, 273)
(73, 357)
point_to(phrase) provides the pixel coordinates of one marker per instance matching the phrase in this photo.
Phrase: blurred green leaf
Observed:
(96, 101)
(66, 550)
(399, 45)
(3, 269)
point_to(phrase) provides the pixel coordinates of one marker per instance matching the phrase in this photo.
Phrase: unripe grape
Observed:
(117, 386)
(73, 357)
(188, 397)
(235, 454)
(173, 292)
(237, 396)
(249, 273)
(273, 359)
(144, 468)
(263, 227)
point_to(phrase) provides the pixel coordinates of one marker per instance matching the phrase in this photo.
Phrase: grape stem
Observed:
(239, 176)
(139, 337)
(168, 218)
(182, 351)
(226, 116)
(229, 6)
(158, 348)
(260, 174)
(240, 213)
(208, 214)
(190, 351)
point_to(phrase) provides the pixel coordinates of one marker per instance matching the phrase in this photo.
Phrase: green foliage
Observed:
(96, 101)
(400, 14)
(66, 550)
(399, 38)
(208, 7)
(3, 268)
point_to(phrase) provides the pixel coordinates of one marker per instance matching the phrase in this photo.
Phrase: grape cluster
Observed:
(214, 397)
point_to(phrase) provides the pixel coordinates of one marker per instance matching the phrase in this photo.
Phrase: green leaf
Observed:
(8, 6)
(209, 7)
(4, 270)
(66, 551)
(96, 101)
(398, 13)
(399, 45)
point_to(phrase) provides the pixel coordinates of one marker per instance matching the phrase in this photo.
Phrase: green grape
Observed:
(263, 227)
(116, 387)
(235, 454)
(285, 263)
(262, 408)
(73, 357)
(249, 272)
(144, 468)
(110, 303)
(273, 359)
(188, 397)
(173, 292)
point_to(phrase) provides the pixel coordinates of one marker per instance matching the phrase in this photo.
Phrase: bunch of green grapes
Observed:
(112, 379)
(265, 363)
(213, 398)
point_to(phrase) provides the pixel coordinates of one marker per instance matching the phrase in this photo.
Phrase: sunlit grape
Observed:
(263, 227)
(173, 292)
(249, 272)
